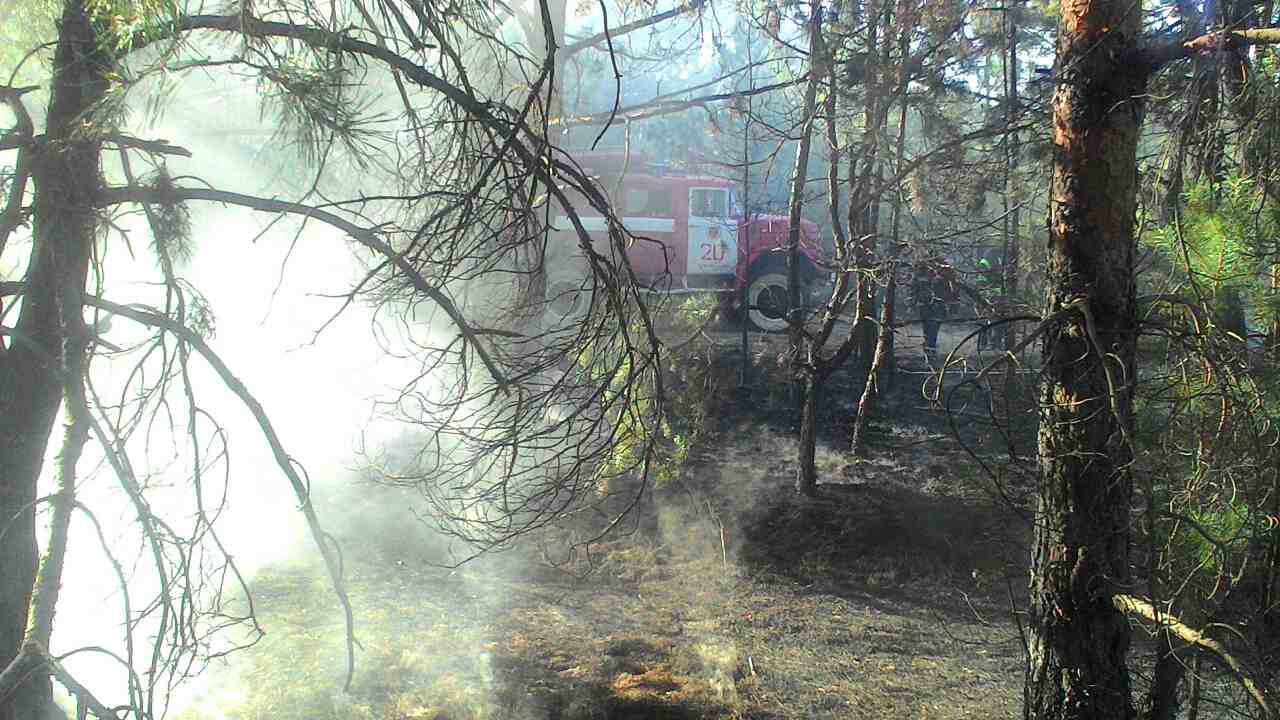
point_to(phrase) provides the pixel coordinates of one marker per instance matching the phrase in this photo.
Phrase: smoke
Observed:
(332, 377)
(273, 290)
(337, 380)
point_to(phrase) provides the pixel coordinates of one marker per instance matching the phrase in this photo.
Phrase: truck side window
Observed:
(637, 201)
(659, 203)
(704, 202)
(651, 202)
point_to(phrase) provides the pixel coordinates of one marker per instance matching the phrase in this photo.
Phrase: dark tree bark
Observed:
(1078, 639)
(1012, 197)
(864, 176)
(807, 377)
(65, 178)
(883, 353)
(1162, 699)
(1078, 634)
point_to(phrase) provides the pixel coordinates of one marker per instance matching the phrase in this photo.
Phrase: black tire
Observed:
(768, 301)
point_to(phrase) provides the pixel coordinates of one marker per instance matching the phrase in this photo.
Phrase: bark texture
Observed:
(1012, 195)
(1078, 639)
(1162, 698)
(65, 178)
(803, 354)
(865, 175)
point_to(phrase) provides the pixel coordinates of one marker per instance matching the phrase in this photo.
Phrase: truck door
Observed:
(713, 237)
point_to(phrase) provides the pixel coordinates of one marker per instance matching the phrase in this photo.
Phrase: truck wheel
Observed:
(768, 302)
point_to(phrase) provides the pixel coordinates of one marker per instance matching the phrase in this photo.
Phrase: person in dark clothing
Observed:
(988, 283)
(928, 295)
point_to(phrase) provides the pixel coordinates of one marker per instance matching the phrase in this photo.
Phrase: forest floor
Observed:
(892, 594)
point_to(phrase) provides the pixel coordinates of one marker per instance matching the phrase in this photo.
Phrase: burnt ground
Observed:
(890, 595)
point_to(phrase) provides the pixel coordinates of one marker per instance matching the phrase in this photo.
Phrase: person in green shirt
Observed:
(988, 284)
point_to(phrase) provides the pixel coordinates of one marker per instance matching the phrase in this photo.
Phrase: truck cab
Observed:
(685, 234)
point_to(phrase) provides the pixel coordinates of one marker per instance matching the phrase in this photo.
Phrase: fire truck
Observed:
(689, 235)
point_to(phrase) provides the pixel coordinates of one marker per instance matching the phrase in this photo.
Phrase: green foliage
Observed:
(1215, 533)
(609, 363)
(1222, 244)
(1210, 405)
(688, 381)
(1206, 424)
(695, 312)
(28, 29)
(674, 466)
(123, 23)
(315, 105)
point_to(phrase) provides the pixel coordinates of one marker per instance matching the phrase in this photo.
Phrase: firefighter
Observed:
(928, 294)
(988, 282)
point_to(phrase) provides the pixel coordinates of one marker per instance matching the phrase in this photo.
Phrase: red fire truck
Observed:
(690, 236)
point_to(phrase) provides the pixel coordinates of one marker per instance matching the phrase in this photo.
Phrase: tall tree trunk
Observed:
(1173, 175)
(864, 209)
(802, 360)
(806, 465)
(883, 355)
(744, 249)
(1012, 195)
(1163, 697)
(1078, 639)
(543, 24)
(65, 177)
(1193, 700)
(884, 338)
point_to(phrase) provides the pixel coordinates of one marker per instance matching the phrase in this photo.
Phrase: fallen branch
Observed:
(1153, 58)
(1144, 609)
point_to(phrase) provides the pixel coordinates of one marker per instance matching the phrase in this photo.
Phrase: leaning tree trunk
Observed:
(65, 177)
(1078, 639)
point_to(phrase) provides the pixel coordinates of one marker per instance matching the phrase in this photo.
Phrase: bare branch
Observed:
(32, 658)
(365, 236)
(20, 136)
(601, 38)
(650, 109)
(325, 542)
(156, 147)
